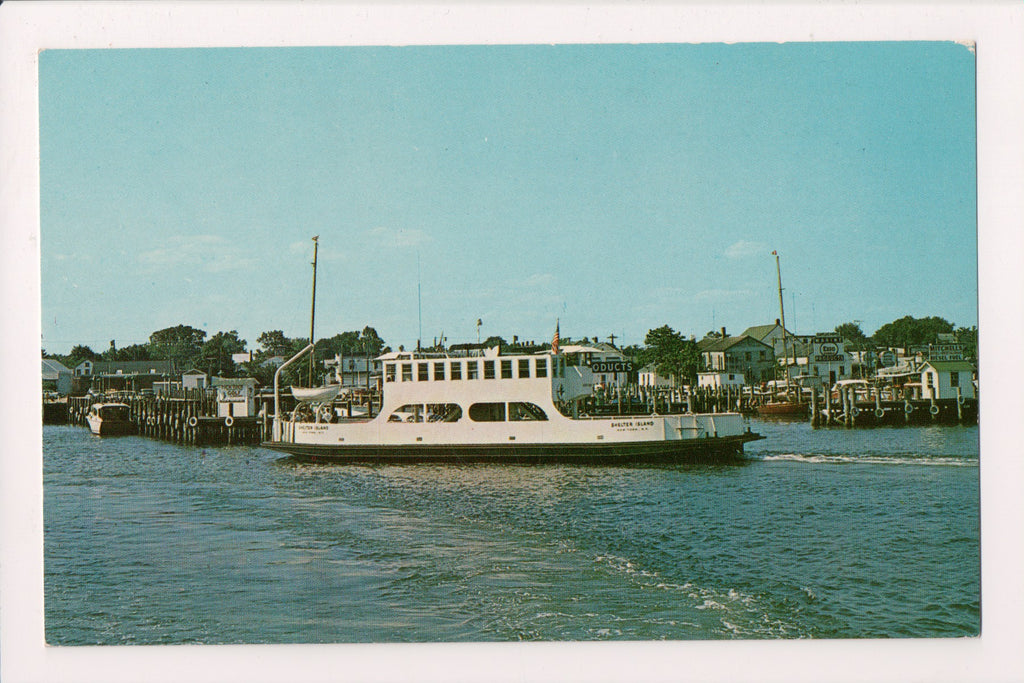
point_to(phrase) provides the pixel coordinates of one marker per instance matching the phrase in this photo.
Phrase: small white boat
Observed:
(316, 394)
(109, 419)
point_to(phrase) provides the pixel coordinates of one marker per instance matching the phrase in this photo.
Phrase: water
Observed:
(820, 534)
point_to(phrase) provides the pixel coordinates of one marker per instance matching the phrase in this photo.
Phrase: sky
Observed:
(611, 188)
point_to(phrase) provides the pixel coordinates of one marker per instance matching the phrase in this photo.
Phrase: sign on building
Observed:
(827, 348)
(940, 352)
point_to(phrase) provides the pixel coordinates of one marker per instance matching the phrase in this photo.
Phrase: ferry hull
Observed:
(710, 449)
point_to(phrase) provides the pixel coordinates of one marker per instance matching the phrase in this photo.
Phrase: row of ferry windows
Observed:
(516, 411)
(425, 371)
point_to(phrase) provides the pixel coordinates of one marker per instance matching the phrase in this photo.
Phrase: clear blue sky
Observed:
(615, 187)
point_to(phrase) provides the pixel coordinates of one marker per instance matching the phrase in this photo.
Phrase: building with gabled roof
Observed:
(947, 379)
(57, 376)
(745, 355)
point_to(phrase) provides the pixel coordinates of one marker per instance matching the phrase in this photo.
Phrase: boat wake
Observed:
(840, 459)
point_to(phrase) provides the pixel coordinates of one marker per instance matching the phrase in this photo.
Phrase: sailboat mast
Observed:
(312, 311)
(782, 316)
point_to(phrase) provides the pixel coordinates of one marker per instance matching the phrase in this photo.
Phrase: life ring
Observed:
(934, 410)
(908, 408)
(961, 400)
(879, 413)
(855, 411)
(228, 421)
(193, 421)
(326, 414)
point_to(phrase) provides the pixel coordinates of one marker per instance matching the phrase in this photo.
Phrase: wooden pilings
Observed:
(845, 408)
(180, 420)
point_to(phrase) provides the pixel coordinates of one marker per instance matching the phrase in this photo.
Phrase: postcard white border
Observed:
(25, 28)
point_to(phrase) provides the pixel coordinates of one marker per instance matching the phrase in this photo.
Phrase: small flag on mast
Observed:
(554, 340)
(774, 253)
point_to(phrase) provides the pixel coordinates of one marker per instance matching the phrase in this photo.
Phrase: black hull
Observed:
(715, 449)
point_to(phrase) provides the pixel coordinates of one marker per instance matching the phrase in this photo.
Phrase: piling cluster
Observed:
(192, 420)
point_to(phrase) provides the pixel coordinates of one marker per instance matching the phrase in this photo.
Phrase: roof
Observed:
(52, 368)
(949, 365)
(129, 367)
(193, 371)
(759, 332)
(712, 344)
(233, 381)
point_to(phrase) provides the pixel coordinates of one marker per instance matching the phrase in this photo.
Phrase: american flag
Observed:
(554, 340)
(775, 253)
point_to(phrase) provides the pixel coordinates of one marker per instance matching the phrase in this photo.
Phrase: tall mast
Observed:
(312, 311)
(782, 317)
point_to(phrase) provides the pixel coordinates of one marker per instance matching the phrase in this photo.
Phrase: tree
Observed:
(852, 333)
(217, 352)
(181, 344)
(673, 354)
(968, 337)
(371, 341)
(80, 353)
(909, 331)
(274, 343)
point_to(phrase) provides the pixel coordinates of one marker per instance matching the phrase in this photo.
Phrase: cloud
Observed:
(391, 237)
(715, 295)
(211, 253)
(745, 249)
(539, 281)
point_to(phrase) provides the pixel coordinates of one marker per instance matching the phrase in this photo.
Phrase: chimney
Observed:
(723, 333)
(778, 322)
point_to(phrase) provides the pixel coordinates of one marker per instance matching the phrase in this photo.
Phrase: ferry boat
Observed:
(496, 407)
(109, 419)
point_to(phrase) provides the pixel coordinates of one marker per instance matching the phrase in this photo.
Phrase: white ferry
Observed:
(496, 407)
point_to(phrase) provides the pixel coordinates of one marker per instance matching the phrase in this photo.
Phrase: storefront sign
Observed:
(608, 366)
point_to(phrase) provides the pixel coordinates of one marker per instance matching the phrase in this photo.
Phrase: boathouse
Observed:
(947, 379)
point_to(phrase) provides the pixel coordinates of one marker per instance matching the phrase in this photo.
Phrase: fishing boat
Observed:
(789, 405)
(494, 407)
(109, 419)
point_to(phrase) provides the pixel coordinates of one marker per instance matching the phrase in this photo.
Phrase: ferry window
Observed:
(389, 372)
(423, 371)
(506, 369)
(541, 367)
(487, 412)
(520, 411)
(406, 372)
(411, 412)
(524, 368)
(488, 369)
(443, 412)
(473, 369)
(439, 370)
(457, 370)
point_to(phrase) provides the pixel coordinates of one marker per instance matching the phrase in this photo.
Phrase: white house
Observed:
(946, 379)
(195, 379)
(606, 362)
(718, 379)
(649, 377)
(355, 371)
(235, 397)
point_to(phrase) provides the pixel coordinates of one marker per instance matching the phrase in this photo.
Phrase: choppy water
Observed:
(821, 534)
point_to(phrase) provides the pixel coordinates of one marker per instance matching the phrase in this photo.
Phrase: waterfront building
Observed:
(129, 375)
(354, 371)
(649, 377)
(720, 380)
(824, 359)
(195, 379)
(744, 355)
(57, 377)
(608, 365)
(235, 397)
(946, 379)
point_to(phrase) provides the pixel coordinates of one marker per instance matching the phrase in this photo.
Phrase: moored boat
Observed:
(109, 419)
(494, 407)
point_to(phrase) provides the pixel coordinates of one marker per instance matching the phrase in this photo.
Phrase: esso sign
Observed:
(829, 349)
